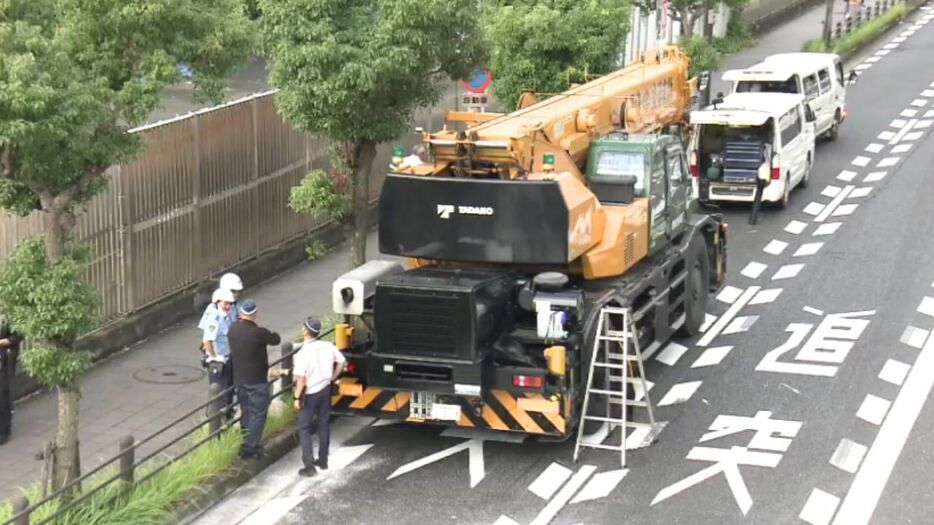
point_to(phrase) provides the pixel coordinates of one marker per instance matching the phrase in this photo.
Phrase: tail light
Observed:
(351, 367)
(695, 169)
(522, 381)
(776, 168)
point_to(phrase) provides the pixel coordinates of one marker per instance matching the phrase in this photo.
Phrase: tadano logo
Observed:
(446, 210)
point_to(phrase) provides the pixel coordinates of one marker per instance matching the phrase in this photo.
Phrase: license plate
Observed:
(445, 412)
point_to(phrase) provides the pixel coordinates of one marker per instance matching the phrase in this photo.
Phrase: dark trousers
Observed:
(222, 374)
(317, 409)
(7, 372)
(254, 406)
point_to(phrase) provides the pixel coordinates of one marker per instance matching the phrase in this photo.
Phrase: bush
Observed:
(862, 35)
(737, 36)
(703, 55)
(318, 194)
(316, 249)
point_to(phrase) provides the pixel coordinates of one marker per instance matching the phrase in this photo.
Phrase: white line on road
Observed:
(848, 456)
(808, 249)
(741, 324)
(844, 209)
(729, 294)
(874, 148)
(831, 191)
(887, 162)
(859, 193)
(914, 337)
(725, 319)
(754, 269)
(819, 508)
(680, 393)
(901, 148)
(927, 306)
(861, 161)
(875, 176)
(847, 175)
(834, 203)
(712, 356)
(924, 124)
(550, 480)
(827, 229)
(873, 409)
(886, 136)
(813, 208)
(894, 372)
(908, 113)
(898, 123)
(766, 296)
(671, 354)
(870, 481)
(600, 485)
(554, 506)
(919, 102)
(787, 272)
(775, 247)
(796, 227)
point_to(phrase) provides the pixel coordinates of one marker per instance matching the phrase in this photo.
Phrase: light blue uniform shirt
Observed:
(214, 325)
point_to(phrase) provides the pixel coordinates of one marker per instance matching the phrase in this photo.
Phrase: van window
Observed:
(839, 68)
(790, 126)
(810, 87)
(768, 86)
(824, 75)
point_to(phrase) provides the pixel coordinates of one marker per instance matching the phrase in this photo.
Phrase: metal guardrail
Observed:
(128, 446)
(864, 14)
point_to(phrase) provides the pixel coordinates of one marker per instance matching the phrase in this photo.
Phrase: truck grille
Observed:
(425, 323)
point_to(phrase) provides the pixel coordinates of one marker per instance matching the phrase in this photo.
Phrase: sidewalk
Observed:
(159, 380)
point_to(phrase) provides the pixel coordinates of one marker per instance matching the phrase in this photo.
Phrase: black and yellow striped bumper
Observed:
(529, 413)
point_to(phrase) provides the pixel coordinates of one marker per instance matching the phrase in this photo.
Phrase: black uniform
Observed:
(248, 344)
(8, 358)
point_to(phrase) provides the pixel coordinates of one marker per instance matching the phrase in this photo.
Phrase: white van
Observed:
(817, 76)
(750, 137)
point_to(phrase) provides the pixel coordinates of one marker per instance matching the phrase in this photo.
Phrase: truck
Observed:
(516, 233)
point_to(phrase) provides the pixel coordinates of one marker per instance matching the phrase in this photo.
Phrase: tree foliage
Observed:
(317, 194)
(687, 12)
(355, 71)
(542, 46)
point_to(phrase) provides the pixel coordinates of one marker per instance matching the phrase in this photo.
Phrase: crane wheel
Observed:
(696, 285)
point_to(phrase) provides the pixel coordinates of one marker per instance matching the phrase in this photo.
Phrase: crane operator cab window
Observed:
(616, 171)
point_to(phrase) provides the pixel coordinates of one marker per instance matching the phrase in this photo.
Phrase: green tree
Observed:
(354, 71)
(75, 75)
(542, 46)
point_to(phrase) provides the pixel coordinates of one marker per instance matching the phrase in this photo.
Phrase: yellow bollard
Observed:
(343, 336)
(557, 360)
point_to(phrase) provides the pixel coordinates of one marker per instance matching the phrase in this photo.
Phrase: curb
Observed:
(217, 488)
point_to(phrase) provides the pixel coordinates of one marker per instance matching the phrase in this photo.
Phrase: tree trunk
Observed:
(687, 24)
(828, 24)
(67, 463)
(708, 23)
(364, 154)
(56, 233)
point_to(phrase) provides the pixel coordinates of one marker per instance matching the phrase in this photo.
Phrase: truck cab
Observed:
(621, 167)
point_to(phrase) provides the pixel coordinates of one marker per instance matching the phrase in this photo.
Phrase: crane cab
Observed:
(623, 167)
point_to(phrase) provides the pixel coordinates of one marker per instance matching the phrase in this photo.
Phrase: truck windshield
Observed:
(610, 163)
(768, 86)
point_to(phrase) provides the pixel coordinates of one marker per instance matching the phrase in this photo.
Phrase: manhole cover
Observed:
(171, 374)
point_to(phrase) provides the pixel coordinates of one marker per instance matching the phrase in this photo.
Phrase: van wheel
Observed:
(807, 174)
(834, 130)
(696, 285)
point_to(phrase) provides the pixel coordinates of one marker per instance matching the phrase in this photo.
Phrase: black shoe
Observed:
(308, 472)
(323, 465)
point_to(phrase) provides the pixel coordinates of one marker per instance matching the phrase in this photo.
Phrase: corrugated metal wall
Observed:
(209, 191)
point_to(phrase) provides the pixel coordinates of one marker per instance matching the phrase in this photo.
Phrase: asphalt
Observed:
(851, 427)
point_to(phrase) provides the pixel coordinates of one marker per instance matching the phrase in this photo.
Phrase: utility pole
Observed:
(828, 24)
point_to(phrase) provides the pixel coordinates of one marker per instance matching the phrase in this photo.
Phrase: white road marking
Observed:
(475, 448)
(831, 191)
(505, 520)
(643, 437)
(708, 320)
(887, 162)
(848, 456)
(712, 356)
(927, 306)
(766, 296)
(886, 135)
(754, 269)
(775, 247)
(882, 52)
(814, 208)
(844, 210)
(875, 176)
(929, 114)
(928, 93)
(898, 123)
(901, 148)
(728, 316)
(890, 46)
(796, 227)
(861, 161)
(919, 102)
(874, 148)
(908, 113)
(872, 60)
(729, 294)
(639, 392)
(898, 39)
(873, 409)
(924, 124)
(671, 354)
(554, 506)
(902, 132)
(814, 311)
(680, 393)
(808, 249)
(870, 481)
(597, 437)
(273, 510)
(600, 485)
(847, 175)
(863, 67)
(861, 192)
(819, 508)
(834, 203)
(894, 372)
(344, 456)
(787, 272)
(550, 480)
(914, 337)
(741, 325)
(789, 387)
(914, 135)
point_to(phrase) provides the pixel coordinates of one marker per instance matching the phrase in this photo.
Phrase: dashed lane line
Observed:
(728, 316)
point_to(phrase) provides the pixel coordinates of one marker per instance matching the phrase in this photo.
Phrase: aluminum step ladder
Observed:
(616, 351)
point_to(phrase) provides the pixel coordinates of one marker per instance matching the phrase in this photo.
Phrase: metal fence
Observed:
(860, 14)
(209, 191)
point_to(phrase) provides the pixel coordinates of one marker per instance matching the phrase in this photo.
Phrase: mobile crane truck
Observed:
(521, 229)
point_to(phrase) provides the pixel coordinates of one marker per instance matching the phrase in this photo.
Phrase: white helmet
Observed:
(231, 281)
(222, 294)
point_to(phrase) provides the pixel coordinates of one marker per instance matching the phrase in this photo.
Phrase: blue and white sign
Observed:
(479, 81)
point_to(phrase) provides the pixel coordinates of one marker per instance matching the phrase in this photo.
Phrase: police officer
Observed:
(317, 365)
(214, 326)
(9, 353)
(232, 282)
